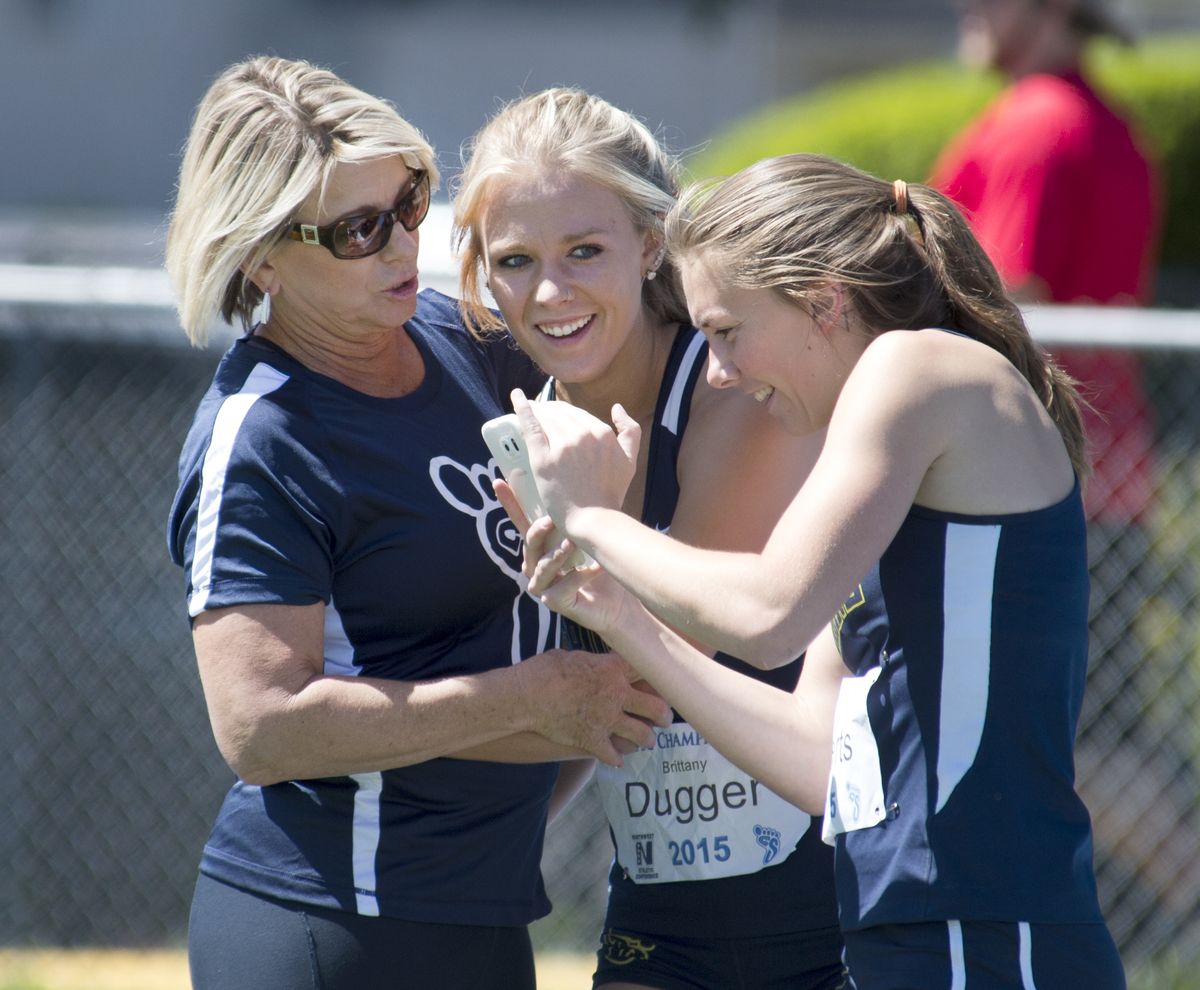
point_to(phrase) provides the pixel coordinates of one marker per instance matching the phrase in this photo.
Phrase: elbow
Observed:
(810, 802)
(259, 775)
(773, 642)
(252, 751)
(769, 657)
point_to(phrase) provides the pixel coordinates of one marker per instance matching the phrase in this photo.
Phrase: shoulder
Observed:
(253, 382)
(922, 380)
(258, 449)
(439, 312)
(711, 411)
(438, 324)
(1051, 112)
(911, 350)
(494, 362)
(261, 412)
(729, 434)
(1064, 97)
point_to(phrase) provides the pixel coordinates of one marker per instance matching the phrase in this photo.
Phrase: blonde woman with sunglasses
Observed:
(357, 608)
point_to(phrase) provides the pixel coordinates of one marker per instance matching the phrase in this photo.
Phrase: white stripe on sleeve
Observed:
(261, 381)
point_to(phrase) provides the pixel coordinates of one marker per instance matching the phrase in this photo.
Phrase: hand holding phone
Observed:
(503, 438)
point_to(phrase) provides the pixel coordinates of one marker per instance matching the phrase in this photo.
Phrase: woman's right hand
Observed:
(592, 702)
(577, 459)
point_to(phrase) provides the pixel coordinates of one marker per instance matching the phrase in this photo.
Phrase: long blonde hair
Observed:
(570, 131)
(799, 223)
(267, 133)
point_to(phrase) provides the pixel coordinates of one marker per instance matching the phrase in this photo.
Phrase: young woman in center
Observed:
(941, 529)
(716, 882)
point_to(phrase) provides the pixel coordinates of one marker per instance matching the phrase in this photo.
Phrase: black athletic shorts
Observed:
(765, 962)
(241, 941)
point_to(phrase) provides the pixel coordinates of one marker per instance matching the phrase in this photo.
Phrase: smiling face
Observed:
(346, 298)
(768, 347)
(565, 264)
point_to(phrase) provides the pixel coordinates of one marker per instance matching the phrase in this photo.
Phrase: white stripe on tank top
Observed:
(970, 570)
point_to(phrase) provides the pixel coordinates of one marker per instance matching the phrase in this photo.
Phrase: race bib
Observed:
(681, 811)
(855, 796)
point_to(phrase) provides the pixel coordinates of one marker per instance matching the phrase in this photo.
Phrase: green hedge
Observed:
(894, 123)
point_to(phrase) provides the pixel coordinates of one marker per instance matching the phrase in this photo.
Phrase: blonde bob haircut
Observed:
(799, 224)
(566, 130)
(268, 132)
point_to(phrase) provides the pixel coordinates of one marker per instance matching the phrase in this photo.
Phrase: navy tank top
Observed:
(795, 893)
(975, 630)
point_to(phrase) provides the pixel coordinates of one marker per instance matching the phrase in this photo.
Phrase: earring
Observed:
(658, 260)
(262, 313)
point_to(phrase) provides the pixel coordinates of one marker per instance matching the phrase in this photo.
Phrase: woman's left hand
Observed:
(542, 555)
(587, 595)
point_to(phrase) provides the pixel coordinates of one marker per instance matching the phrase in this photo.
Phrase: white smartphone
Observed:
(503, 438)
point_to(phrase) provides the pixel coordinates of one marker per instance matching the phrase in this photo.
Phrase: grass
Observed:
(166, 969)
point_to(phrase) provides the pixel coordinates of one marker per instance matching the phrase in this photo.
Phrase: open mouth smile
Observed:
(565, 329)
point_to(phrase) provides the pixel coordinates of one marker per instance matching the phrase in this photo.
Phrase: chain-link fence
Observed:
(111, 775)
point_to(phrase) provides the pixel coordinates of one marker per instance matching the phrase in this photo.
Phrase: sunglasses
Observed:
(367, 234)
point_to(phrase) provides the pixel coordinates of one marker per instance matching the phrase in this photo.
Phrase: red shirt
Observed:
(1057, 190)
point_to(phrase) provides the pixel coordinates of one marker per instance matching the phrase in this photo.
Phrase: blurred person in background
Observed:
(355, 608)
(560, 209)
(1059, 190)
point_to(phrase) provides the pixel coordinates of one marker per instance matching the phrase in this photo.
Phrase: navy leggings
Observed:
(241, 941)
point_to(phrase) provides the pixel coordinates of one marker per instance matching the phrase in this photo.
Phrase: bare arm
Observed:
(764, 607)
(738, 471)
(782, 739)
(277, 716)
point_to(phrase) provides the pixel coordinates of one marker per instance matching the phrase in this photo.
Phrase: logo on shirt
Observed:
(856, 600)
(621, 950)
(469, 490)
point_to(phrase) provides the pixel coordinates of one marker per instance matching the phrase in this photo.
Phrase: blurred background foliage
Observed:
(894, 122)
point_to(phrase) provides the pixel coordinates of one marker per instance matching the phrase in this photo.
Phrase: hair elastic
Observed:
(900, 197)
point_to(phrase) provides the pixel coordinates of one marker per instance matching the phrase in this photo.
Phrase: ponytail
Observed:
(978, 306)
(903, 253)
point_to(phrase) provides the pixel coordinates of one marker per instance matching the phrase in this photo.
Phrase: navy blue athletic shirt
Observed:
(978, 628)
(794, 896)
(295, 489)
